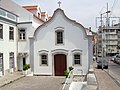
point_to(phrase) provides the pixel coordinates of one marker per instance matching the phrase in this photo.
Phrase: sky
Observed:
(83, 11)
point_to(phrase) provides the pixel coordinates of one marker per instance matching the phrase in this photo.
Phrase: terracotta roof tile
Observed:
(30, 7)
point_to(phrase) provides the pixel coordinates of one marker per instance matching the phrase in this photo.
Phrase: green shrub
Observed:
(71, 68)
(66, 73)
(26, 67)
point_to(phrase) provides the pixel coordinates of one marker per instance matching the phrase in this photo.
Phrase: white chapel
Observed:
(50, 46)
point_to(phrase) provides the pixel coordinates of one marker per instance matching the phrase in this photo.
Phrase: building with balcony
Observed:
(110, 40)
(16, 26)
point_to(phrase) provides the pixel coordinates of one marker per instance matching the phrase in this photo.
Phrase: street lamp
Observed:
(103, 55)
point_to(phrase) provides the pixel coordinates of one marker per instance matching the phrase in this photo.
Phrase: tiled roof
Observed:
(43, 13)
(30, 7)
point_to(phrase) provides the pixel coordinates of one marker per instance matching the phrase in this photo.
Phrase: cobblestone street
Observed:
(36, 83)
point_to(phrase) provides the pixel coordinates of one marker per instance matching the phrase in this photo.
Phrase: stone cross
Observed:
(59, 3)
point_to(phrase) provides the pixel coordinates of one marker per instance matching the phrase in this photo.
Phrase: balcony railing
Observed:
(111, 32)
(112, 43)
(112, 38)
(68, 81)
(72, 77)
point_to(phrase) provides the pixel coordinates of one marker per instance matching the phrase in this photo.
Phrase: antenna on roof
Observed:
(59, 3)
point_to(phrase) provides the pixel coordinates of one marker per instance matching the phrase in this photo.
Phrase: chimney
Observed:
(43, 15)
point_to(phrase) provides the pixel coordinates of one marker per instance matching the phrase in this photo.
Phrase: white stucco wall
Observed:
(74, 38)
(26, 20)
(7, 46)
(36, 23)
(24, 45)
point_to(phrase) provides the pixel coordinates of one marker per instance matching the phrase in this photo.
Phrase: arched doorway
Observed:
(60, 64)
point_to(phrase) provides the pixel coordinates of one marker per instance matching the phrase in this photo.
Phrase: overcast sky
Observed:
(83, 11)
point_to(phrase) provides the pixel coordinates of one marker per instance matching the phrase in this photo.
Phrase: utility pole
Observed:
(102, 41)
(107, 19)
(104, 35)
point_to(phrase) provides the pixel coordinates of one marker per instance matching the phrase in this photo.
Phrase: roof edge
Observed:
(54, 14)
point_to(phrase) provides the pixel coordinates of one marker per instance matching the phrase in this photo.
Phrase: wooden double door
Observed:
(60, 64)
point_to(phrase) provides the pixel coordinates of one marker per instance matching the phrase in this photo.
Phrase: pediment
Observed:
(60, 13)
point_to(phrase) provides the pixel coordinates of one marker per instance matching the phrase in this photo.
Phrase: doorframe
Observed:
(23, 58)
(65, 61)
(59, 51)
(20, 59)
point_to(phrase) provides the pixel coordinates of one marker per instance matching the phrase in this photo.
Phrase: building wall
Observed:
(7, 46)
(24, 15)
(74, 38)
(24, 45)
(111, 37)
(36, 23)
(25, 20)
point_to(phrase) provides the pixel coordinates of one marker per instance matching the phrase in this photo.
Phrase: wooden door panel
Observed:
(59, 64)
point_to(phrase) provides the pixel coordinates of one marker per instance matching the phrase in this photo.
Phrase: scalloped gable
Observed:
(60, 11)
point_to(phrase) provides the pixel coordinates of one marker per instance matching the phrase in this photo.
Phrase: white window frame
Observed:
(11, 31)
(22, 35)
(75, 52)
(77, 59)
(41, 64)
(11, 60)
(56, 37)
(1, 30)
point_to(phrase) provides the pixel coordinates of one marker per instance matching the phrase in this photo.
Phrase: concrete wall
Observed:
(90, 49)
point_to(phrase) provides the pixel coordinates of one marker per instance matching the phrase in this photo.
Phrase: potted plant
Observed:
(25, 69)
(29, 69)
(66, 73)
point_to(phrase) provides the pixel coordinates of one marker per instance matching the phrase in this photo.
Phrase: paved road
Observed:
(36, 83)
(114, 71)
(105, 82)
